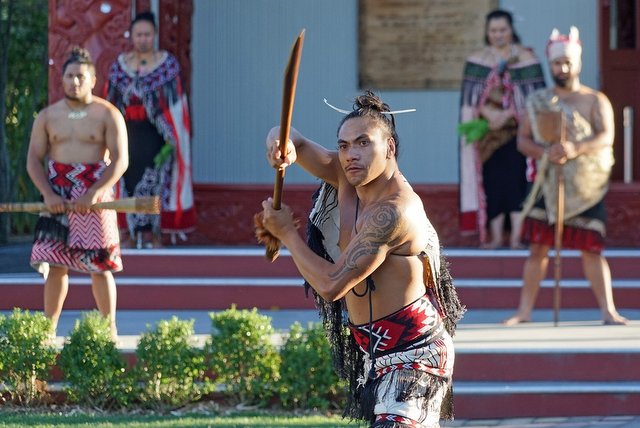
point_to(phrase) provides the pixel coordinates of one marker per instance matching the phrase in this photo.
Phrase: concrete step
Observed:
(537, 369)
(574, 293)
(492, 400)
(191, 292)
(178, 293)
(486, 404)
(250, 261)
(574, 350)
(503, 264)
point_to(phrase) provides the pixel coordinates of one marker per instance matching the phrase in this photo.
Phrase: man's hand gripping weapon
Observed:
(272, 244)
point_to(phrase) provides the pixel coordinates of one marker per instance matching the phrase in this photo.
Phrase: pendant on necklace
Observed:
(75, 115)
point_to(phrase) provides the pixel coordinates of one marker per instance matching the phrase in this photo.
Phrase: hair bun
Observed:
(78, 52)
(369, 100)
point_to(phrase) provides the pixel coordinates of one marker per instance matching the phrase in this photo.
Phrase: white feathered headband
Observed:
(560, 45)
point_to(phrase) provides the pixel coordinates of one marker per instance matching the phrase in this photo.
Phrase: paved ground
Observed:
(14, 258)
(480, 329)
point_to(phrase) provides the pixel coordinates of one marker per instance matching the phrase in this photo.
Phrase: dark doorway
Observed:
(620, 68)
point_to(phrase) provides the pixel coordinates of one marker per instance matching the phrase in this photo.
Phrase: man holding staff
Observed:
(387, 272)
(83, 140)
(584, 149)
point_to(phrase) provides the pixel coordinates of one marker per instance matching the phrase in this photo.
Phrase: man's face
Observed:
(142, 35)
(364, 148)
(78, 80)
(564, 71)
(499, 32)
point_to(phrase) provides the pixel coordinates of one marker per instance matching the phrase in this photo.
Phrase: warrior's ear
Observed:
(574, 34)
(391, 147)
(554, 34)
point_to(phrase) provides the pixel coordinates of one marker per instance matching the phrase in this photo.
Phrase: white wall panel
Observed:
(239, 51)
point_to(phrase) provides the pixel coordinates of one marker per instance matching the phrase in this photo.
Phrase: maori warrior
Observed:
(374, 264)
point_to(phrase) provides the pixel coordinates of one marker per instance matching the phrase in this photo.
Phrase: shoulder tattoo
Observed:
(379, 228)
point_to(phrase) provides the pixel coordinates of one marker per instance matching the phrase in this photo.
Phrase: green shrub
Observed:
(307, 378)
(27, 354)
(243, 359)
(4, 344)
(169, 366)
(93, 366)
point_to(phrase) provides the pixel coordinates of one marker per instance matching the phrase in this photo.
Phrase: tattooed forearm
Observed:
(360, 250)
(379, 228)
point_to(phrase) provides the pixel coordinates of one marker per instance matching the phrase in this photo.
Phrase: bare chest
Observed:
(347, 200)
(582, 104)
(76, 130)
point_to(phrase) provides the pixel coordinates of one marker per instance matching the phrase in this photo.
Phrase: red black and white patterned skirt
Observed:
(87, 243)
(584, 232)
(414, 359)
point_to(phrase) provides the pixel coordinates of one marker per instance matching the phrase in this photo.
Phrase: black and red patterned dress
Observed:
(158, 126)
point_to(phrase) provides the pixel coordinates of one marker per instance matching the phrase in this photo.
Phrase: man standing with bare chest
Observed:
(586, 155)
(77, 152)
(386, 273)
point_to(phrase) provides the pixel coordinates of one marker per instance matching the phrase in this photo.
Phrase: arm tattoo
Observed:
(379, 228)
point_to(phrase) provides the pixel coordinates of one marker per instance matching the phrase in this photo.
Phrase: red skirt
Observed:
(584, 232)
(87, 243)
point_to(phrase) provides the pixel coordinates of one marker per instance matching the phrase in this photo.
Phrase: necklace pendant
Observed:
(76, 115)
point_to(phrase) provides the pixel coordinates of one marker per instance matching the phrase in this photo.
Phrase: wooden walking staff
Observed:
(559, 229)
(288, 96)
(552, 127)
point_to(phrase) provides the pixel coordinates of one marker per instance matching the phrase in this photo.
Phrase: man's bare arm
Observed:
(38, 150)
(603, 127)
(366, 252)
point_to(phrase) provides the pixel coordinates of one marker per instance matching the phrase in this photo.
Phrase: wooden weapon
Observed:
(146, 205)
(559, 230)
(288, 96)
(552, 127)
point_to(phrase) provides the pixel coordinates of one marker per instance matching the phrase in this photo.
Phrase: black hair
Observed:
(370, 105)
(79, 55)
(500, 14)
(147, 16)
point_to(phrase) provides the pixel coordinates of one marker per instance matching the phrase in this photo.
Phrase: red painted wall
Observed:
(225, 212)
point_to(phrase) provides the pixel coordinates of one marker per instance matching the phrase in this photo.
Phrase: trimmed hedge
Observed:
(26, 355)
(93, 367)
(240, 360)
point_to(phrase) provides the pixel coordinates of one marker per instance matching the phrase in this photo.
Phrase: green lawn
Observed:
(168, 421)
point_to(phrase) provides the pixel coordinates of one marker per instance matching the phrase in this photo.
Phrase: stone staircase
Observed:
(215, 278)
(578, 368)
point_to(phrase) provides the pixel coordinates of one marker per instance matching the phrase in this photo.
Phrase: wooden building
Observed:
(233, 54)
